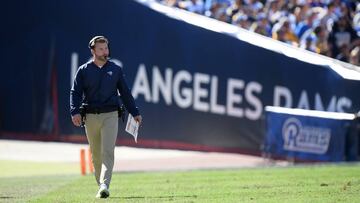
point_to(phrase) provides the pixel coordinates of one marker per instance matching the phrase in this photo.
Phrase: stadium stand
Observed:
(327, 27)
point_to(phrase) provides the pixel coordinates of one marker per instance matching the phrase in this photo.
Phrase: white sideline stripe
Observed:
(70, 152)
(345, 70)
(313, 113)
(132, 159)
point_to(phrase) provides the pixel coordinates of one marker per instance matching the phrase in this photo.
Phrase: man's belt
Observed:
(94, 110)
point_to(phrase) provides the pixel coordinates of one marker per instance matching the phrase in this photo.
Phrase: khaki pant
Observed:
(101, 132)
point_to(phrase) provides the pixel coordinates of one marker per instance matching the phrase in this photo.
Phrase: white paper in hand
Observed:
(132, 127)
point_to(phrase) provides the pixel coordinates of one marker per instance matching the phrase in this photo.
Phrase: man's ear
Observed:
(92, 51)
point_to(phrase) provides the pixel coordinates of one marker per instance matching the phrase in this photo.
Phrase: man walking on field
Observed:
(95, 89)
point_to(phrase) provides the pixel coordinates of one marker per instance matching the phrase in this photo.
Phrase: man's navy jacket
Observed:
(99, 87)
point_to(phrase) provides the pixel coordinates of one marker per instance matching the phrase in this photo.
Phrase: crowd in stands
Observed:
(327, 27)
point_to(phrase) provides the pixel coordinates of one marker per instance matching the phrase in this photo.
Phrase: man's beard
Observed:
(103, 58)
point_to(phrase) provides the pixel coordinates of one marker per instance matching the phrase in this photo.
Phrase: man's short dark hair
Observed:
(96, 39)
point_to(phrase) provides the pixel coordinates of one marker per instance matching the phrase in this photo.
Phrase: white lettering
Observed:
(251, 99)
(200, 78)
(201, 92)
(161, 85)
(233, 98)
(215, 108)
(186, 92)
(141, 84)
(284, 92)
(304, 101)
(342, 103)
(74, 66)
(320, 106)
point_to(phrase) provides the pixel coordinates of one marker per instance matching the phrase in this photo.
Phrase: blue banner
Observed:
(199, 83)
(307, 135)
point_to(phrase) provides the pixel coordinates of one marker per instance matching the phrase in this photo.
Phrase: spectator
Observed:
(286, 32)
(329, 17)
(321, 44)
(241, 20)
(273, 10)
(196, 6)
(356, 20)
(308, 23)
(173, 3)
(308, 43)
(236, 7)
(300, 13)
(316, 3)
(253, 7)
(262, 25)
(218, 11)
(211, 6)
(221, 15)
(341, 34)
(344, 54)
(355, 56)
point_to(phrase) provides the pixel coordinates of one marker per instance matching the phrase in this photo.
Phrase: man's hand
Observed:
(138, 119)
(76, 119)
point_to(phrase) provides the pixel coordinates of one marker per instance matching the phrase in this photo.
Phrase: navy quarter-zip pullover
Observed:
(98, 88)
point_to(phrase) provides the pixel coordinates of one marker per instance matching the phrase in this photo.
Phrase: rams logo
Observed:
(311, 139)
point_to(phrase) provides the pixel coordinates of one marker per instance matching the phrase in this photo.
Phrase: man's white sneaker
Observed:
(103, 192)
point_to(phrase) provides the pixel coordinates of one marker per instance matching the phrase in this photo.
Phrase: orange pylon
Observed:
(82, 162)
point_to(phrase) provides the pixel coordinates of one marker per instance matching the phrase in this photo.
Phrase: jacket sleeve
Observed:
(76, 93)
(126, 96)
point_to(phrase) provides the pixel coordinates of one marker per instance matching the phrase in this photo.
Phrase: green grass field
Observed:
(45, 182)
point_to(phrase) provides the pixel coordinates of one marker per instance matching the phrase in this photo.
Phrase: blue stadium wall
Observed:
(198, 87)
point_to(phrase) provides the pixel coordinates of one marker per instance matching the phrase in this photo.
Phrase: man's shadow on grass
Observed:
(6, 197)
(156, 197)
